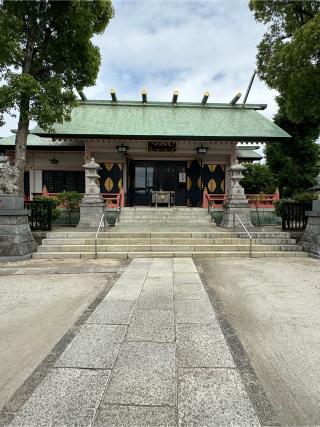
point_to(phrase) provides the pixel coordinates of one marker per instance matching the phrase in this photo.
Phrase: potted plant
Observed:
(69, 200)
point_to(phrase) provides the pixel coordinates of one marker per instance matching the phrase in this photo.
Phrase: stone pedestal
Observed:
(92, 205)
(16, 240)
(237, 202)
(310, 240)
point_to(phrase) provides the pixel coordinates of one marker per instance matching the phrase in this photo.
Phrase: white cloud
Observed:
(191, 46)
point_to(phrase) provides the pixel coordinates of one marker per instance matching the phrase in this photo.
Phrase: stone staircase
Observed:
(131, 244)
(164, 215)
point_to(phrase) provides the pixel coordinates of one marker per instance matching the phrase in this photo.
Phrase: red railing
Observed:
(262, 200)
(255, 200)
(114, 200)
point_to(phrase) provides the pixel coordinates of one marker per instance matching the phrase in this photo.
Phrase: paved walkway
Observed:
(152, 353)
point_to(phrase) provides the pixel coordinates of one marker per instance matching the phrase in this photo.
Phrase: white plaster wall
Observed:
(105, 150)
(68, 160)
(37, 185)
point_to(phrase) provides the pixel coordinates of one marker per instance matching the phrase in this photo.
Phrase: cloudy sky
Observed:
(189, 46)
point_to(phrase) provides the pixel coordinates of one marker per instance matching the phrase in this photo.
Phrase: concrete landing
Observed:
(152, 353)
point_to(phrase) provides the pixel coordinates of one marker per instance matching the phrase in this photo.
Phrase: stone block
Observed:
(157, 300)
(213, 397)
(142, 416)
(202, 346)
(66, 397)
(94, 347)
(194, 311)
(90, 215)
(186, 278)
(164, 282)
(151, 325)
(144, 374)
(155, 317)
(112, 312)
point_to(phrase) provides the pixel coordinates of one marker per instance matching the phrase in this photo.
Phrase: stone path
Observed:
(152, 353)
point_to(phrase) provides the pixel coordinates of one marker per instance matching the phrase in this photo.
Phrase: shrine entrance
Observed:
(146, 177)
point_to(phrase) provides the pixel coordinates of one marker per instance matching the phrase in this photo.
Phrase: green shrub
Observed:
(305, 196)
(278, 206)
(55, 203)
(69, 199)
(297, 198)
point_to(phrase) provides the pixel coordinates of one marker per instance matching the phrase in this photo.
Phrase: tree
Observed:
(46, 54)
(258, 179)
(295, 163)
(289, 54)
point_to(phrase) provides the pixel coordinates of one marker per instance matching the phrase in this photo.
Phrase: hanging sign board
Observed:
(161, 146)
(182, 177)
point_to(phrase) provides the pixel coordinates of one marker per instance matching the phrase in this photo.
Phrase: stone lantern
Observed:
(237, 202)
(92, 205)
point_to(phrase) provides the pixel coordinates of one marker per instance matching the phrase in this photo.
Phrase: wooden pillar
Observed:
(205, 201)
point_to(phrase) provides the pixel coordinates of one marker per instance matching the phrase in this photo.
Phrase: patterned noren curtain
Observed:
(110, 177)
(194, 183)
(213, 178)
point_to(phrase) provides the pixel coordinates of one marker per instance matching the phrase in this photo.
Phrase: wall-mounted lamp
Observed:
(122, 149)
(54, 161)
(202, 149)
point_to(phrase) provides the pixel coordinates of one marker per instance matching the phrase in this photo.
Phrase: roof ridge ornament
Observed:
(205, 98)
(82, 95)
(175, 97)
(235, 99)
(113, 95)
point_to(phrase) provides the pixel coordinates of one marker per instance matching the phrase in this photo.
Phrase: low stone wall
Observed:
(266, 216)
(68, 218)
(310, 240)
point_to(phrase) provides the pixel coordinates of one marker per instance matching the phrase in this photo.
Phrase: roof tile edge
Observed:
(177, 105)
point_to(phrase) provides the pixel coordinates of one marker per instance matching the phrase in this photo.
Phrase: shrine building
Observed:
(144, 147)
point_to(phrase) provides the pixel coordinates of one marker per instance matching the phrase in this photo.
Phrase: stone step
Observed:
(185, 221)
(125, 255)
(167, 248)
(160, 234)
(164, 241)
(161, 209)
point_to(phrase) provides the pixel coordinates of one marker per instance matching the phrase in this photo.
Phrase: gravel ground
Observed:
(39, 303)
(274, 307)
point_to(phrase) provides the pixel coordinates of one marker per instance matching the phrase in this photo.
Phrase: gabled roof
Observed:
(138, 120)
(248, 153)
(38, 143)
(35, 142)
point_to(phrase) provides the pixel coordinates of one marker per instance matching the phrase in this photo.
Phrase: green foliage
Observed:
(55, 203)
(288, 56)
(69, 199)
(46, 53)
(295, 163)
(304, 197)
(258, 179)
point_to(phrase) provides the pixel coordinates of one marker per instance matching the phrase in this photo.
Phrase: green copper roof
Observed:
(32, 140)
(165, 120)
(35, 141)
(248, 153)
